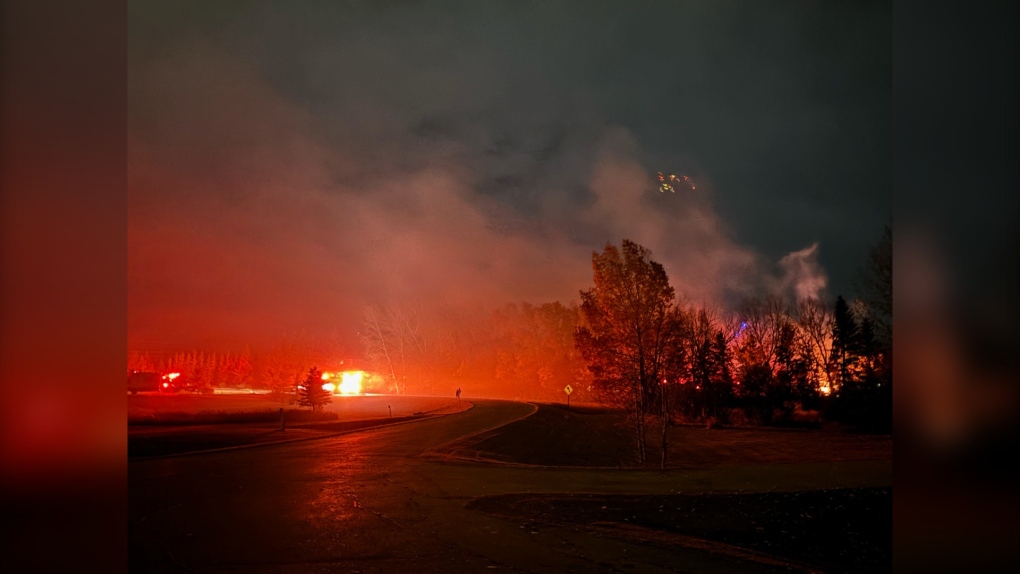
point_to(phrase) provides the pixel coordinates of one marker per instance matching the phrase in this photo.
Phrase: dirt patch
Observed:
(844, 530)
(554, 436)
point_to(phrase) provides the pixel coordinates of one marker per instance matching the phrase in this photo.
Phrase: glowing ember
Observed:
(173, 376)
(329, 387)
(668, 185)
(350, 382)
(327, 376)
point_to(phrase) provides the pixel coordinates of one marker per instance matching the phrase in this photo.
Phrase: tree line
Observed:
(666, 361)
(632, 342)
(199, 370)
(280, 368)
(520, 351)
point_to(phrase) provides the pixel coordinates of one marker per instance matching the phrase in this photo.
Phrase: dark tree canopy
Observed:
(876, 287)
(845, 338)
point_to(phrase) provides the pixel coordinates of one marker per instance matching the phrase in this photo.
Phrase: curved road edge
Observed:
(449, 451)
(384, 424)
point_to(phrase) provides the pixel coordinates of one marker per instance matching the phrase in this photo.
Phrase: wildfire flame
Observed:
(329, 387)
(350, 382)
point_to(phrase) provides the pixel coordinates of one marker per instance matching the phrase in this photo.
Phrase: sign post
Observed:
(568, 390)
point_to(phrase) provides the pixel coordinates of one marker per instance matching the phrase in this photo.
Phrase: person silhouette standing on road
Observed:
(458, 394)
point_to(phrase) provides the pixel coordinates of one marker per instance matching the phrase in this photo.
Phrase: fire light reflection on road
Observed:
(336, 503)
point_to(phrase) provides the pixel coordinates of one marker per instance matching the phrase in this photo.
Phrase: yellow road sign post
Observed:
(568, 389)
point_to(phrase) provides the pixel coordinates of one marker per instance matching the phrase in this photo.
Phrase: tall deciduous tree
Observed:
(630, 322)
(383, 347)
(876, 287)
(401, 341)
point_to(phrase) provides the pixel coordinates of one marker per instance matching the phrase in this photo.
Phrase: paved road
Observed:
(371, 502)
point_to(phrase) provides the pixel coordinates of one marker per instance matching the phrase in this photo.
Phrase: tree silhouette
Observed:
(876, 287)
(630, 324)
(845, 337)
(312, 394)
(814, 320)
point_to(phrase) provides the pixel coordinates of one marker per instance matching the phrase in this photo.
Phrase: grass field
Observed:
(555, 436)
(837, 530)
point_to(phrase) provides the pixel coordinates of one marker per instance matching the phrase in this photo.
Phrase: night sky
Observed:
(291, 162)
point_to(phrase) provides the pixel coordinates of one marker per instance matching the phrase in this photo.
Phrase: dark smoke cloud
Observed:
(290, 165)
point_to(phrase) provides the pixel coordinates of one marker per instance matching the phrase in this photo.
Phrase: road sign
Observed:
(568, 389)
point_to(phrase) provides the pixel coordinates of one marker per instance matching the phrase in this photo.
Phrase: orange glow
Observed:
(165, 385)
(327, 376)
(329, 387)
(350, 382)
(173, 376)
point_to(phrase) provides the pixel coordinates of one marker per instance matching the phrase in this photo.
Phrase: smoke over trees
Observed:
(518, 351)
(653, 355)
(631, 343)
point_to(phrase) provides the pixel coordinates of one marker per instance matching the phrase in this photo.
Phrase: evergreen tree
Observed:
(867, 348)
(845, 341)
(241, 369)
(311, 392)
(721, 377)
(790, 383)
(722, 359)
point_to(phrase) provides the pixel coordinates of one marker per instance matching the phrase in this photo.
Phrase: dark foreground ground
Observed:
(838, 530)
(555, 436)
(846, 530)
(162, 425)
(164, 440)
(457, 493)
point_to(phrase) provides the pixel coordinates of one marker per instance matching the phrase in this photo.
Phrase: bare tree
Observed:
(761, 335)
(377, 338)
(814, 321)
